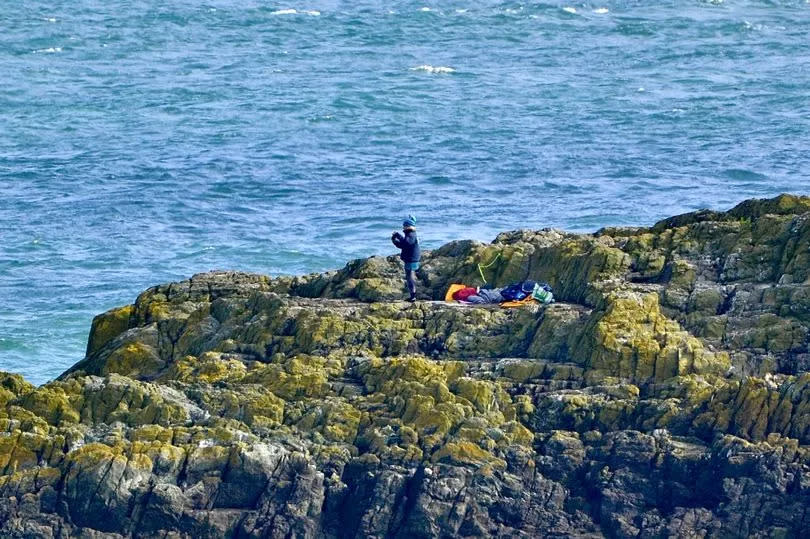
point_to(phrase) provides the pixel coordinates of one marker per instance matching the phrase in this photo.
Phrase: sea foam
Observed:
(311, 12)
(433, 69)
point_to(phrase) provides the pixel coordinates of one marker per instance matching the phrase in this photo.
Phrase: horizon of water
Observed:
(141, 143)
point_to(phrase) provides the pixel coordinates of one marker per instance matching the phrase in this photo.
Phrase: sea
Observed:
(143, 141)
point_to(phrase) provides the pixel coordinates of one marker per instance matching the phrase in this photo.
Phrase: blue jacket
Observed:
(409, 245)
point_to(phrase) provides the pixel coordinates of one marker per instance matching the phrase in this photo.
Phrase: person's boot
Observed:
(412, 298)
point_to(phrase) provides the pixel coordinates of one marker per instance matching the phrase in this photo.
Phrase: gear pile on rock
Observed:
(667, 393)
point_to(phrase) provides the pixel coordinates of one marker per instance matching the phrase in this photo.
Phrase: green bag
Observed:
(542, 295)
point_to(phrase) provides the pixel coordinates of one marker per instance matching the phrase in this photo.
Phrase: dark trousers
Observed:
(409, 281)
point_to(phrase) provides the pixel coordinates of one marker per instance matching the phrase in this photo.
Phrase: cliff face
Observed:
(665, 394)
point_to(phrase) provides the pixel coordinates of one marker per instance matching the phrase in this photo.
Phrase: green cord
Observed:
(480, 267)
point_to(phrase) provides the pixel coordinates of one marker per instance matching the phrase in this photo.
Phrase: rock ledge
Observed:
(667, 394)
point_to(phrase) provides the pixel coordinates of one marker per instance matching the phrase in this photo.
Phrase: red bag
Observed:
(464, 293)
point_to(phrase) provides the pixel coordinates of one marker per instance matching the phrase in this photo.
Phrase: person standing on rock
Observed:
(409, 244)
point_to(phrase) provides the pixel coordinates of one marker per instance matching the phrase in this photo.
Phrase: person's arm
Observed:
(396, 239)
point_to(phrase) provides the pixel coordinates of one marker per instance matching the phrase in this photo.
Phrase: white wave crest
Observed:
(49, 50)
(49, 19)
(310, 12)
(601, 10)
(426, 9)
(569, 9)
(433, 69)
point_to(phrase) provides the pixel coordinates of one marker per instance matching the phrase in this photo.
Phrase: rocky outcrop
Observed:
(666, 394)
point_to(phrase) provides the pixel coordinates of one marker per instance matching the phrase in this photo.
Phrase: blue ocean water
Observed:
(144, 141)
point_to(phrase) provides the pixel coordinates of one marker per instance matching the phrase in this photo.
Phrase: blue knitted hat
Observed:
(410, 221)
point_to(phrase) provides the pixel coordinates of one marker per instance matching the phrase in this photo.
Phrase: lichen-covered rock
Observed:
(666, 395)
(630, 339)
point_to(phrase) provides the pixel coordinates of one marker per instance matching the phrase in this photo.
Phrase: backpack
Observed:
(520, 291)
(514, 292)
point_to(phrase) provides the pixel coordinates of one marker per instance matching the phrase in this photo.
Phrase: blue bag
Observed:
(515, 292)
